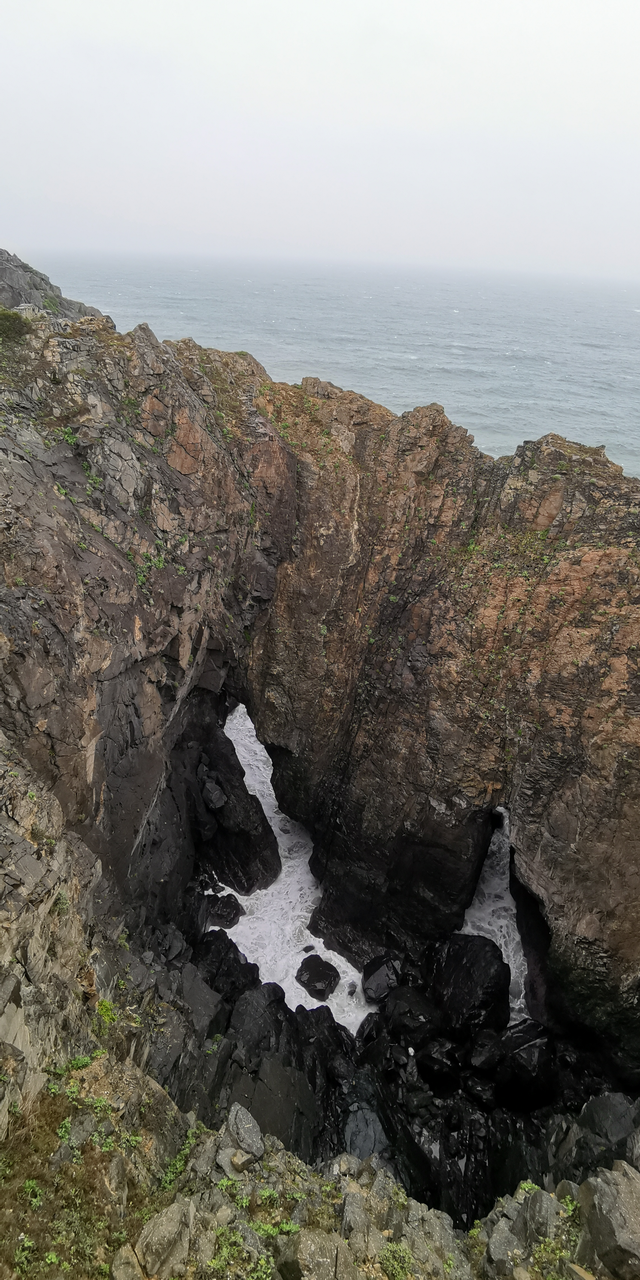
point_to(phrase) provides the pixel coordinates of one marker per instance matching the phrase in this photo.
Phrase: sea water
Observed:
(510, 357)
(492, 914)
(273, 933)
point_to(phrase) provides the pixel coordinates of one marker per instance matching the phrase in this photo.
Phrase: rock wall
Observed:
(421, 633)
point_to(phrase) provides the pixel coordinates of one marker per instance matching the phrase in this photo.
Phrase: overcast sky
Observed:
(466, 133)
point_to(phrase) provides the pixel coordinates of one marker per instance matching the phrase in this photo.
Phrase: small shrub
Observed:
(22, 1255)
(33, 1193)
(396, 1261)
(106, 1012)
(178, 1165)
(76, 1064)
(64, 1129)
(60, 906)
(268, 1196)
(262, 1270)
(13, 326)
(229, 1249)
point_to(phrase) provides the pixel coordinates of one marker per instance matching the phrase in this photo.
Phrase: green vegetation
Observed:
(179, 1163)
(32, 1192)
(13, 326)
(106, 1013)
(396, 1261)
(229, 1249)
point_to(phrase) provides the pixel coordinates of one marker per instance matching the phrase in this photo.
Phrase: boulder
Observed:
(125, 1265)
(538, 1219)
(610, 1116)
(610, 1213)
(203, 1002)
(363, 1133)
(379, 977)
(503, 1249)
(223, 965)
(318, 977)
(223, 911)
(315, 1255)
(163, 1244)
(471, 984)
(412, 1016)
(246, 1131)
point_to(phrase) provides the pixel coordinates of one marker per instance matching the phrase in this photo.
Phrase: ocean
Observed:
(510, 358)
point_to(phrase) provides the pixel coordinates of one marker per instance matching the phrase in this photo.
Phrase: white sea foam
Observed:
(492, 914)
(274, 933)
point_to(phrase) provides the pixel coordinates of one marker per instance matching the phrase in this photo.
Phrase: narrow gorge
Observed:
(439, 654)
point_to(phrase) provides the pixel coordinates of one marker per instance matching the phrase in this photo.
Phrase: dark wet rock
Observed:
(379, 977)
(280, 1099)
(471, 984)
(364, 1134)
(206, 1005)
(611, 1117)
(230, 833)
(440, 1062)
(318, 977)
(412, 1015)
(223, 965)
(223, 911)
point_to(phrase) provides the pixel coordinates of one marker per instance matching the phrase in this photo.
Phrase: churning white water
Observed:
(273, 934)
(492, 914)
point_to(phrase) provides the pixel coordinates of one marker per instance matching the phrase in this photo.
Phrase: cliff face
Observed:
(421, 634)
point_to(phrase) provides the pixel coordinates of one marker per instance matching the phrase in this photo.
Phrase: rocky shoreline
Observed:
(421, 635)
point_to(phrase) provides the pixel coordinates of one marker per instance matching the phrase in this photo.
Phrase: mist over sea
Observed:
(509, 357)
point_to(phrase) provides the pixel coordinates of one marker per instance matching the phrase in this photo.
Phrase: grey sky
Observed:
(484, 133)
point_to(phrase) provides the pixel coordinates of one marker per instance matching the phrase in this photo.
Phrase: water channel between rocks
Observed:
(492, 914)
(273, 933)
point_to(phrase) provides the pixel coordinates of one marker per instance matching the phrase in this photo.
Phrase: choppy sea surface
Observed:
(510, 358)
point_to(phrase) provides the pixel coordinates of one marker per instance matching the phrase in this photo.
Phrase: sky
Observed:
(501, 134)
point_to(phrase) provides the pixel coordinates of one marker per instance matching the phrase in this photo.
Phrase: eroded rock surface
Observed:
(421, 634)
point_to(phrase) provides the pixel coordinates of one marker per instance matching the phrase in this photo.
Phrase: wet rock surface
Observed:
(318, 977)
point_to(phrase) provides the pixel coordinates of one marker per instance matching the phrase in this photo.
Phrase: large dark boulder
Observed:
(318, 977)
(224, 966)
(223, 910)
(411, 1016)
(379, 977)
(470, 983)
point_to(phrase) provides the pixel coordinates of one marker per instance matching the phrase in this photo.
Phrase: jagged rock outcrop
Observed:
(421, 633)
(105, 1171)
(21, 285)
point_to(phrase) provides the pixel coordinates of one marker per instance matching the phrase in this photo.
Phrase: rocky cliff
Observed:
(421, 633)
(424, 636)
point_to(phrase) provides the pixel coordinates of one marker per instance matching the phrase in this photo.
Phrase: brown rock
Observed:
(422, 633)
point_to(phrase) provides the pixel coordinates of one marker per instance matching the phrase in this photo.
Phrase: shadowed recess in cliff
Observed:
(492, 914)
(273, 931)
